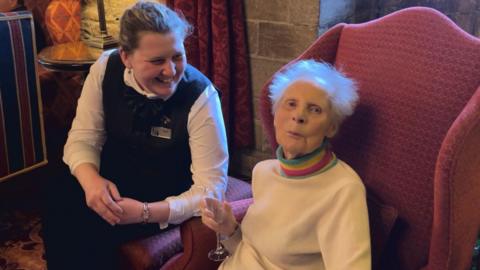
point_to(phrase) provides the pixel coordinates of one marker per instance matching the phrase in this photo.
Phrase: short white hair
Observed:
(341, 91)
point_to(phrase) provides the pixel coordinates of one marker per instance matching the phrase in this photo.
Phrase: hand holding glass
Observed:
(216, 207)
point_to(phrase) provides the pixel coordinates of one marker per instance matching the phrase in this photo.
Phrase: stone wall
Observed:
(278, 31)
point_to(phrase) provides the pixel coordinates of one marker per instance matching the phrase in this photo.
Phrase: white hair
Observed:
(341, 91)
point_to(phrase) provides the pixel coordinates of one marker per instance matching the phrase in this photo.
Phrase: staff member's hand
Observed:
(101, 195)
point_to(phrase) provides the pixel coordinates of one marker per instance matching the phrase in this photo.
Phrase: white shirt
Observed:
(207, 139)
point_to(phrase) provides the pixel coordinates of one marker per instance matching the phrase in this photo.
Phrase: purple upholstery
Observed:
(414, 138)
(152, 252)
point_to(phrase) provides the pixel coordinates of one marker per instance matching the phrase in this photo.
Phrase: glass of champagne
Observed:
(219, 253)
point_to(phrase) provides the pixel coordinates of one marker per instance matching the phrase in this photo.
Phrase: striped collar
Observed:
(318, 161)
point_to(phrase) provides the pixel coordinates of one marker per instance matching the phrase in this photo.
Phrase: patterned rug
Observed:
(21, 245)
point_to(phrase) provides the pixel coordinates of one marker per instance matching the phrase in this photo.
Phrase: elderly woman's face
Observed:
(158, 63)
(303, 119)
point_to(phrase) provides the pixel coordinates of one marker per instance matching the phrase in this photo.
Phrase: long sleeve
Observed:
(87, 135)
(208, 145)
(343, 233)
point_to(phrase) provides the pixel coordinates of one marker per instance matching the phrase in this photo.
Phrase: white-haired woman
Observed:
(309, 209)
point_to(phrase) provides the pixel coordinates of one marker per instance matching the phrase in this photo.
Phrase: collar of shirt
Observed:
(130, 81)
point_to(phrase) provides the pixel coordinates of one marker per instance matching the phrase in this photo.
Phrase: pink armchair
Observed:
(414, 138)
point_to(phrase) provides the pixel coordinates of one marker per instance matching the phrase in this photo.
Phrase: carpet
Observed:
(21, 244)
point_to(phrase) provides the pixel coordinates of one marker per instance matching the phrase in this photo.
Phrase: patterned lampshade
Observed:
(62, 19)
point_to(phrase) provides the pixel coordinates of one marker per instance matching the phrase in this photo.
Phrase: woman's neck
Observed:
(317, 161)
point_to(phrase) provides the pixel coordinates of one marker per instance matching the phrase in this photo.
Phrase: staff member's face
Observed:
(7, 5)
(158, 63)
(303, 119)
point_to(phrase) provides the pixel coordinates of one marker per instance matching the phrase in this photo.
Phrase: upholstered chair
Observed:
(22, 136)
(414, 138)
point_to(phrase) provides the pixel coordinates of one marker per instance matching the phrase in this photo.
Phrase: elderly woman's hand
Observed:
(218, 216)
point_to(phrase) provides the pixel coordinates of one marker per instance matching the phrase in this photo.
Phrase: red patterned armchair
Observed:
(415, 136)
(414, 139)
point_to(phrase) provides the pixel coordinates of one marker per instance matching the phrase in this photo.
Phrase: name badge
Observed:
(161, 132)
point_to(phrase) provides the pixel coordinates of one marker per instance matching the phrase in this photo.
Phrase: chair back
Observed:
(415, 134)
(22, 137)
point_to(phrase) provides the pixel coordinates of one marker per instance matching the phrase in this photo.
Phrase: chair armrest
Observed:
(198, 239)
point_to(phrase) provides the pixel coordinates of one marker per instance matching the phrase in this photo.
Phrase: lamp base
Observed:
(104, 42)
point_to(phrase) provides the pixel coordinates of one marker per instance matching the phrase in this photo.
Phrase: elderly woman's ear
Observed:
(332, 130)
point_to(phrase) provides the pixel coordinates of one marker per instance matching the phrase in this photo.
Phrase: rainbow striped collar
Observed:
(318, 161)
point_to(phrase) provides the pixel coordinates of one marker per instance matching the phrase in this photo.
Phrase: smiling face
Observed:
(303, 118)
(158, 63)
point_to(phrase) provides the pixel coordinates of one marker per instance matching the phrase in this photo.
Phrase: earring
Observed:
(129, 70)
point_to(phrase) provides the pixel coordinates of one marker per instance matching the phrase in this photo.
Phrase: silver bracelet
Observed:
(145, 213)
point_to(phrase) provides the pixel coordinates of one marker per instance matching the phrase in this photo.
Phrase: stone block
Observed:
(307, 13)
(267, 10)
(284, 41)
(262, 70)
(252, 34)
(250, 10)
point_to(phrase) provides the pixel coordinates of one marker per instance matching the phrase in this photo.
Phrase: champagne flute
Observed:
(219, 253)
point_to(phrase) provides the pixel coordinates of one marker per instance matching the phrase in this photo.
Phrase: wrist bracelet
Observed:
(145, 213)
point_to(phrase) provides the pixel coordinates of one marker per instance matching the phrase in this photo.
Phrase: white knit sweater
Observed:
(318, 222)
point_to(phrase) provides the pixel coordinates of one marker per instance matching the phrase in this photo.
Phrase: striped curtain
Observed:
(22, 136)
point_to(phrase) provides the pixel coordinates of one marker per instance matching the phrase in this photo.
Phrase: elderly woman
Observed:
(309, 209)
(148, 130)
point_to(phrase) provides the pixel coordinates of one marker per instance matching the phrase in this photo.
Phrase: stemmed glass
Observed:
(219, 253)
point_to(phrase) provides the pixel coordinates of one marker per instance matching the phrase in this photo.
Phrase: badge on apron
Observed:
(164, 131)
(161, 132)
